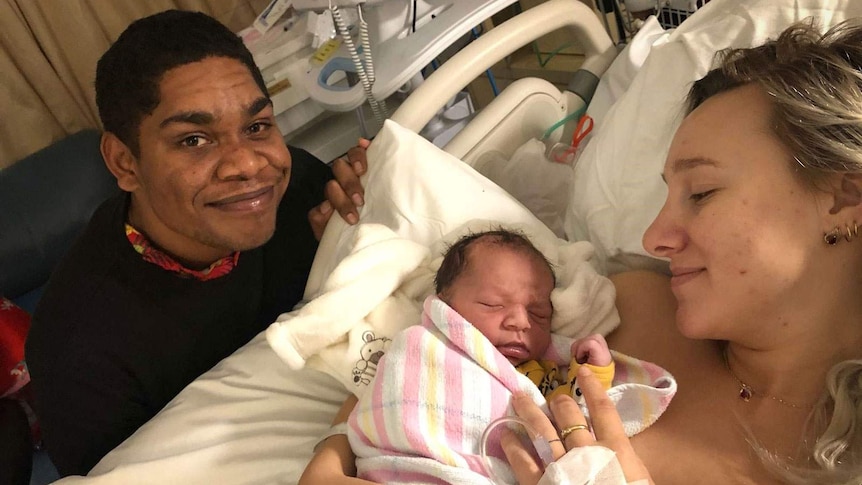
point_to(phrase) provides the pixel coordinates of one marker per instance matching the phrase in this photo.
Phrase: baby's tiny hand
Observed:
(592, 350)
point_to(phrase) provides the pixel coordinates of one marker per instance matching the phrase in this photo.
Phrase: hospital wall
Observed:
(48, 58)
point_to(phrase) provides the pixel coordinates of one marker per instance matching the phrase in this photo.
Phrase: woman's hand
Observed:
(574, 431)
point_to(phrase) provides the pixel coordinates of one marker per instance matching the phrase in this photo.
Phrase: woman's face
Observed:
(740, 229)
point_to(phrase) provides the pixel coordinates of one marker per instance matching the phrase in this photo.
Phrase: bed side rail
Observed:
(421, 106)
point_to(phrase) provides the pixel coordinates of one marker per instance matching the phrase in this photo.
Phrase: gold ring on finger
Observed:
(571, 429)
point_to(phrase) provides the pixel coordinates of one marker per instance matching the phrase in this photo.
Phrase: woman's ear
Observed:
(847, 192)
(120, 161)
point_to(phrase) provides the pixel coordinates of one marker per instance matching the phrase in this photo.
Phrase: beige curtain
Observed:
(48, 54)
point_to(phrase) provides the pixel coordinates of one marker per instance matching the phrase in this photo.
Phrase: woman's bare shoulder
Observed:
(647, 311)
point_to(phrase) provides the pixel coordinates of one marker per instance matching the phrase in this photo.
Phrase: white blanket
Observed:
(378, 290)
(442, 383)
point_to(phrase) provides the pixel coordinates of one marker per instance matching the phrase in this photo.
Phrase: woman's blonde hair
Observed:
(814, 83)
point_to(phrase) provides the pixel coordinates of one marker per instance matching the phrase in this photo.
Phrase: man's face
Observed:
(212, 166)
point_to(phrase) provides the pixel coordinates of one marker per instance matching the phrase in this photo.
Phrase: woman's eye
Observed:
(700, 196)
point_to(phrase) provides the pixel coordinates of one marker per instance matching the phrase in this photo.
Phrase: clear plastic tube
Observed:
(540, 443)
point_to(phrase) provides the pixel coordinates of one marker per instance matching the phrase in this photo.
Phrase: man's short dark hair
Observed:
(129, 73)
(456, 259)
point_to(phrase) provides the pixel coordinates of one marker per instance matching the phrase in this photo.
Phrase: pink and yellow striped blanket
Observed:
(439, 386)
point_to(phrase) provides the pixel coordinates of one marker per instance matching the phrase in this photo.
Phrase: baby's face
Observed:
(506, 295)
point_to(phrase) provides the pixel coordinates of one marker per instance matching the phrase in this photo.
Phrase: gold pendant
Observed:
(745, 392)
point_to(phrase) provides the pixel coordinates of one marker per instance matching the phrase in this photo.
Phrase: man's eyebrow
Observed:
(193, 117)
(258, 105)
(682, 164)
(204, 118)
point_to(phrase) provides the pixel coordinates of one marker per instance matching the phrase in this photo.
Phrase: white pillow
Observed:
(617, 190)
(420, 192)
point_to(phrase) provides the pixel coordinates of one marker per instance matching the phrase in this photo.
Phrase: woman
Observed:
(761, 227)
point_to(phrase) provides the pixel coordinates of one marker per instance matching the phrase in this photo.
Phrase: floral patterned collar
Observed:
(153, 255)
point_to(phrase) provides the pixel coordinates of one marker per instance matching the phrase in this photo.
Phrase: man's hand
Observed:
(344, 194)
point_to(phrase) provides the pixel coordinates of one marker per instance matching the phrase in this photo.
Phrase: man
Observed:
(212, 237)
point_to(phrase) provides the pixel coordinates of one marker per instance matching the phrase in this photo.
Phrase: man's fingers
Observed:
(318, 217)
(606, 421)
(339, 199)
(358, 161)
(527, 471)
(349, 182)
(346, 193)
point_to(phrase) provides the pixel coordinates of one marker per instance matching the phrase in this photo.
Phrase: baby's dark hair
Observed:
(129, 73)
(456, 259)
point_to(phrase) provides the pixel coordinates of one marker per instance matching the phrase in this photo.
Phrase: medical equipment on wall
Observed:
(281, 53)
(670, 13)
(397, 39)
(270, 15)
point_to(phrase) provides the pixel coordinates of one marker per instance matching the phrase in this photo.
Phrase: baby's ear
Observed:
(847, 192)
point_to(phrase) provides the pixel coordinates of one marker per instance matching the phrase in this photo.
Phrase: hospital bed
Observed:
(251, 419)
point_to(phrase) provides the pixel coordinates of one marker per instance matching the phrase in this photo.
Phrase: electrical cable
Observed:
(628, 19)
(377, 109)
(618, 16)
(365, 42)
(544, 62)
(600, 5)
(493, 83)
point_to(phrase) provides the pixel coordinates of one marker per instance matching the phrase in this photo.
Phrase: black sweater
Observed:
(114, 338)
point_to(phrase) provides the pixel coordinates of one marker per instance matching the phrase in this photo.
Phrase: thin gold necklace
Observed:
(746, 392)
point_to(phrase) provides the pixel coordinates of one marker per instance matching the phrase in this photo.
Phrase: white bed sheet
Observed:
(248, 420)
(252, 420)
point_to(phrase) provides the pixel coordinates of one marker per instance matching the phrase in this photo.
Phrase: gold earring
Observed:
(831, 237)
(851, 233)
